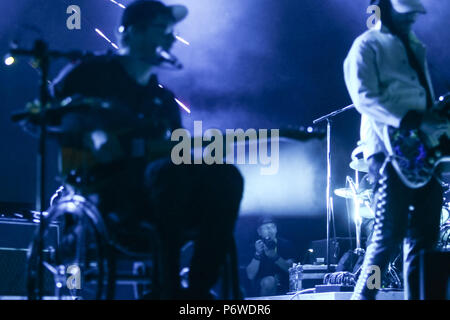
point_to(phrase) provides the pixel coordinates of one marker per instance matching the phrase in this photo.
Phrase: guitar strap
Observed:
(415, 64)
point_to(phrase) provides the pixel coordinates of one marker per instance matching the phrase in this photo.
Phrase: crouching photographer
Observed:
(269, 268)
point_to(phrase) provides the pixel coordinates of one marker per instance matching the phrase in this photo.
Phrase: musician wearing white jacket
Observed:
(387, 78)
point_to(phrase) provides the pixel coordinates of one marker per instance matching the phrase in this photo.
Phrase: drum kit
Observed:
(359, 194)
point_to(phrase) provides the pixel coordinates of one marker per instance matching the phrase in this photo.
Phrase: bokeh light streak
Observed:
(106, 38)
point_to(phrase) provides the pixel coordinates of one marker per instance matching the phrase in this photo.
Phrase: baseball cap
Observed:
(144, 11)
(265, 219)
(405, 6)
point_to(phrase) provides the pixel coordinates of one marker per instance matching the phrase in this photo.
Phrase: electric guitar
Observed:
(415, 154)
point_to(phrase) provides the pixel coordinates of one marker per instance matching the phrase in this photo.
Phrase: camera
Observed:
(269, 243)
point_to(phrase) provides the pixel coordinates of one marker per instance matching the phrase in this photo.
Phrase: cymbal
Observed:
(359, 165)
(348, 193)
(344, 193)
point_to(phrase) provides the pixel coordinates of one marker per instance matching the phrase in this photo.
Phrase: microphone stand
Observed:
(330, 212)
(42, 56)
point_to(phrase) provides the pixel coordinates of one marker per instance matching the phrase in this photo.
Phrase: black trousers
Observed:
(401, 214)
(184, 202)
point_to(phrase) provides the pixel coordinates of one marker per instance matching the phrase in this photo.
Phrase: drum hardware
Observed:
(347, 193)
(364, 199)
(329, 200)
(358, 163)
(360, 193)
(445, 213)
(57, 195)
(444, 239)
(446, 187)
(82, 242)
(361, 197)
(393, 278)
(444, 230)
(357, 216)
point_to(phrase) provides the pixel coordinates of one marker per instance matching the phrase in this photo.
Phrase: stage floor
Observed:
(383, 295)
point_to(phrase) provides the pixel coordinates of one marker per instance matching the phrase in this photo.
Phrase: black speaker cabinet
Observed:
(338, 247)
(15, 238)
(435, 275)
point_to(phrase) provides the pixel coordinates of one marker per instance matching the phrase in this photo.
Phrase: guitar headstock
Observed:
(301, 133)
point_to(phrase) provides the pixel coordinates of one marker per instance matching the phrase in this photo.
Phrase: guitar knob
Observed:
(438, 153)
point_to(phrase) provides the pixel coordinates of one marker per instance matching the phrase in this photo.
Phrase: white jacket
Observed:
(382, 84)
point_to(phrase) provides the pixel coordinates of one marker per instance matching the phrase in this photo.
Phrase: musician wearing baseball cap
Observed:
(148, 27)
(185, 202)
(387, 77)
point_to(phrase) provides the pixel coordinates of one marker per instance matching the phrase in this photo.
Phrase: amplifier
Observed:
(338, 247)
(13, 277)
(18, 233)
(15, 238)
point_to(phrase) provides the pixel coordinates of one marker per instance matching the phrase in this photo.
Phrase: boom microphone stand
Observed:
(41, 56)
(42, 60)
(330, 212)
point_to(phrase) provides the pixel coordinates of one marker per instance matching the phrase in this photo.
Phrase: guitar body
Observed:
(416, 155)
(413, 159)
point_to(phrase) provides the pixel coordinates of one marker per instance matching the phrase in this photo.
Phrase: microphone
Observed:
(168, 57)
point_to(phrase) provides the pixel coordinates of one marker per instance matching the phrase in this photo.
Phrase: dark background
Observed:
(250, 64)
